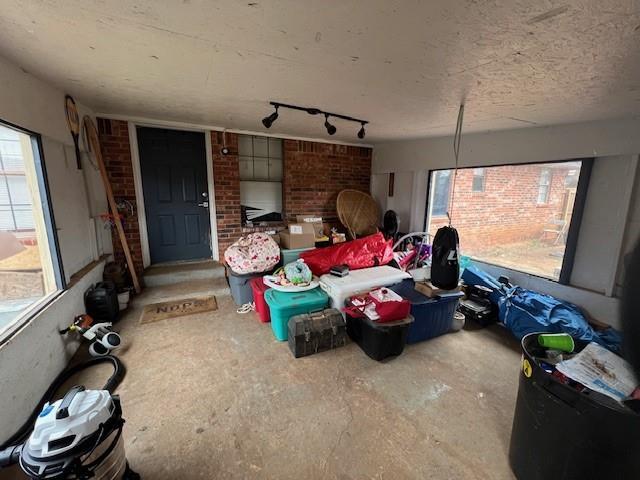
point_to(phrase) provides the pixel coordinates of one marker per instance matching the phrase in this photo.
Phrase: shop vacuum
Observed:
(76, 437)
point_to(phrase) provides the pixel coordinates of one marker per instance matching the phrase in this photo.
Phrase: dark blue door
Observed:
(176, 199)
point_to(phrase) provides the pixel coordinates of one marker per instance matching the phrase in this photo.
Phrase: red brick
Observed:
(116, 152)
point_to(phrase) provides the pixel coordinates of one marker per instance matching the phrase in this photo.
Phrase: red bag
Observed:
(365, 252)
(388, 311)
(392, 311)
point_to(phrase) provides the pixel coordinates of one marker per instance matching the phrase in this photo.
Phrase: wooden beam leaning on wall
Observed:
(93, 141)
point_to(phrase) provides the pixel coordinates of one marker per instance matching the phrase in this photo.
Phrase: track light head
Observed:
(331, 129)
(361, 133)
(268, 121)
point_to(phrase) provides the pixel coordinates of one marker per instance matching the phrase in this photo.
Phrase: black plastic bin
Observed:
(379, 340)
(562, 434)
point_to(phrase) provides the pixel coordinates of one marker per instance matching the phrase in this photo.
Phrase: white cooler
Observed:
(359, 281)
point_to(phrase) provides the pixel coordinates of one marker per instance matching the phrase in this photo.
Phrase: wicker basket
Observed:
(358, 212)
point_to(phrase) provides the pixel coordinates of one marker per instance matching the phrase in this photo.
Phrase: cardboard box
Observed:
(316, 222)
(298, 235)
(276, 237)
(427, 289)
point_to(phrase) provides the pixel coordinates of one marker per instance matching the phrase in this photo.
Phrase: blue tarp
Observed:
(524, 311)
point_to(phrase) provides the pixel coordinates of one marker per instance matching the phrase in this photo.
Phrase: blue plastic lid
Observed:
(406, 289)
(287, 299)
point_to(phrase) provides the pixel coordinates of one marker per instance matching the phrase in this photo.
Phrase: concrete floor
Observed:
(214, 395)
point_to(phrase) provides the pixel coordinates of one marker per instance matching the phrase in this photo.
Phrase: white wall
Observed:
(402, 200)
(37, 353)
(611, 221)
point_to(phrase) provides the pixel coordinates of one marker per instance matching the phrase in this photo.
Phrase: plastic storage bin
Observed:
(241, 287)
(359, 281)
(379, 340)
(284, 305)
(262, 309)
(432, 316)
(560, 433)
(291, 255)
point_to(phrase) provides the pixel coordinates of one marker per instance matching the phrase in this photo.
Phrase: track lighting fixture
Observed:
(268, 121)
(331, 129)
(361, 133)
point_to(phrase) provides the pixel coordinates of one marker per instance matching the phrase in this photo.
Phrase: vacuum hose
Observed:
(119, 371)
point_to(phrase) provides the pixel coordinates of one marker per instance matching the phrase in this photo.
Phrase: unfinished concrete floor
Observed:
(214, 395)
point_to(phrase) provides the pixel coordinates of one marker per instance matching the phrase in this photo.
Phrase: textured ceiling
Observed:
(403, 65)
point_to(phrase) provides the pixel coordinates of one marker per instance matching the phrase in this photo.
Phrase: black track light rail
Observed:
(317, 111)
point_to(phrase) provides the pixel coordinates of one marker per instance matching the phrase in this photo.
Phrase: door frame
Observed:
(137, 181)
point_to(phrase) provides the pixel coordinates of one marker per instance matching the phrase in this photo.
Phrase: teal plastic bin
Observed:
(283, 306)
(292, 255)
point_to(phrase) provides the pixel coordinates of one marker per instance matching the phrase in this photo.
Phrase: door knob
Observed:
(204, 204)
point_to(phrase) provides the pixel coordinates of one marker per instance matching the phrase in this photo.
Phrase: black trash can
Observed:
(560, 433)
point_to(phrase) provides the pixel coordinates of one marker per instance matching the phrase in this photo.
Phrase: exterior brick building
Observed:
(509, 204)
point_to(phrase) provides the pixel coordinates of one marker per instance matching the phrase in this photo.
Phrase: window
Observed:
(440, 191)
(522, 223)
(261, 162)
(571, 180)
(29, 266)
(544, 186)
(478, 180)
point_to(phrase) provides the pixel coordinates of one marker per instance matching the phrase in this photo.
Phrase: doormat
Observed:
(178, 308)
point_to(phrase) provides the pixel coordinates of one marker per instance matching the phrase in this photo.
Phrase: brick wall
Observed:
(314, 173)
(226, 179)
(116, 153)
(507, 210)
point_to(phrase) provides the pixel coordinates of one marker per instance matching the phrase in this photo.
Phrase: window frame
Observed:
(245, 222)
(36, 308)
(573, 231)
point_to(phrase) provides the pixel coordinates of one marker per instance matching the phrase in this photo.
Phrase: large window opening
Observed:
(261, 163)
(29, 265)
(522, 219)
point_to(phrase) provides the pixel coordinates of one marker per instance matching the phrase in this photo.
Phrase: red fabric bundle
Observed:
(387, 311)
(365, 252)
(392, 311)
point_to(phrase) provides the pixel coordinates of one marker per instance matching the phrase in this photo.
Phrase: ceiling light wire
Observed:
(457, 141)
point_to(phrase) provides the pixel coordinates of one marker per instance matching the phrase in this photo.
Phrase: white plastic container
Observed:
(123, 300)
(359, 281)
(421, 274)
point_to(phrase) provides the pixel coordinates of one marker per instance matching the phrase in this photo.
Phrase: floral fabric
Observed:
(254, 253)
